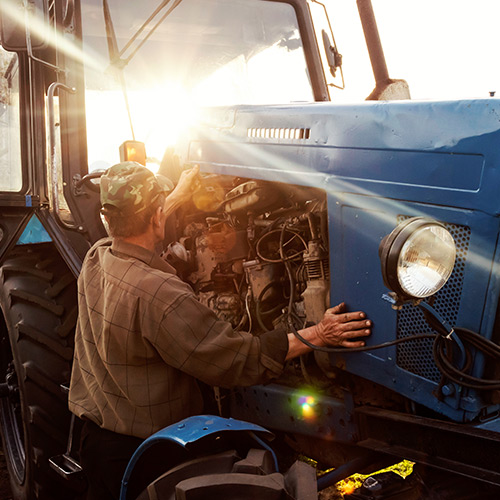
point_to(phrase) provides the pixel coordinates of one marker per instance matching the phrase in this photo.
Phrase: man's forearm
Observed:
(172, 203)
(296, 347)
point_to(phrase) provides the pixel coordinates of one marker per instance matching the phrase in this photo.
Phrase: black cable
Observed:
(258, 312)
(258, 316)
(282, 258)
(357, 349)
(288, 270)
(460, 376)
(480, 342)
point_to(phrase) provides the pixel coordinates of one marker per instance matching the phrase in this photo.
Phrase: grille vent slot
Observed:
(416, 356)
(318, 269)
(280, 133)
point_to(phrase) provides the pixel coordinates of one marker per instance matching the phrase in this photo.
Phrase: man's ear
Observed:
(156, 220)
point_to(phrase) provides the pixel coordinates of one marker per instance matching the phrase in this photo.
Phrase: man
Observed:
(143, 339)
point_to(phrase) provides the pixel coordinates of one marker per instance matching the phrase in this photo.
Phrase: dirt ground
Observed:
(5, 493)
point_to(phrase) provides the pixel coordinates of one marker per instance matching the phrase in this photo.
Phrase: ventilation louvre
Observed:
(280, 133)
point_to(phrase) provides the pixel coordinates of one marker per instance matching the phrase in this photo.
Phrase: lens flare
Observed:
(307, 405)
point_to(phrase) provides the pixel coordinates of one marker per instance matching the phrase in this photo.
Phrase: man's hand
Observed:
(188, 183)
(337, 328)
(341, 328)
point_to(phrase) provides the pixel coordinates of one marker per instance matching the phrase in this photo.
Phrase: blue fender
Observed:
(189, 431)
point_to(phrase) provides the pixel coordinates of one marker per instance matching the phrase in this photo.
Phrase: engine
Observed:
(255, 252)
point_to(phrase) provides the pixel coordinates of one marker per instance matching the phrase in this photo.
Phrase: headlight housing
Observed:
(417, 258)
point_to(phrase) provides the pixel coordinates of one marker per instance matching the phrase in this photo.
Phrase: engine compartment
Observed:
(255, 252)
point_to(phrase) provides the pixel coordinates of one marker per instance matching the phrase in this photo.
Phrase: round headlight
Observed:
(417, 258)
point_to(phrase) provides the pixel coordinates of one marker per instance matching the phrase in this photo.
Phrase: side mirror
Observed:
(333, 56)
(24, 25)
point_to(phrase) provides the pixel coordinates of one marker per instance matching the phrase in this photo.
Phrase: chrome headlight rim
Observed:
(390, 250)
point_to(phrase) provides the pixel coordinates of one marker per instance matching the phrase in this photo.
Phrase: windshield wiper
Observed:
(115, 55)
(114, 58)
(117, 58)
(110, 34)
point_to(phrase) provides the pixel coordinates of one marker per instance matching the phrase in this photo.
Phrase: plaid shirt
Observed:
(142, 340)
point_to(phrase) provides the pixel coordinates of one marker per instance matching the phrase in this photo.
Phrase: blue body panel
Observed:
(380, 162)
(34, 232)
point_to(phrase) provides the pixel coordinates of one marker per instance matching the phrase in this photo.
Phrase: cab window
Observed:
(10, 135)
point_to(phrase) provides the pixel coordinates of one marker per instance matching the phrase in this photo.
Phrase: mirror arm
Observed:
(29, 45)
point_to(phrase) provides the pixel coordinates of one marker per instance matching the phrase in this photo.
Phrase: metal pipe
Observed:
(54, 174)
(373, 42)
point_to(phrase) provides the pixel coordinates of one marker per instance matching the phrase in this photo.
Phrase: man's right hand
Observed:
(341, 328)
(337, 328)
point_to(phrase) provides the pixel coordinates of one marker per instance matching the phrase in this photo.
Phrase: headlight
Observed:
(417, 258)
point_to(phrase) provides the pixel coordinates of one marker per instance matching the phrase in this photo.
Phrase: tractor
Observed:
(389, 205)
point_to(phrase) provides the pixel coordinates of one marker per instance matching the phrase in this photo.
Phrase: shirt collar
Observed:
(143, 254)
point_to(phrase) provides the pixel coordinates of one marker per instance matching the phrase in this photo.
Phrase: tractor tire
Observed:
(38, 302)
(226, 475)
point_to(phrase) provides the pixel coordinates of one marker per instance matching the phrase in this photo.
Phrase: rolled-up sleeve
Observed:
(192, 339)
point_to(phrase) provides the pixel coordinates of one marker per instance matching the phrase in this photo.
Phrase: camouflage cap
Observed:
(130, 187)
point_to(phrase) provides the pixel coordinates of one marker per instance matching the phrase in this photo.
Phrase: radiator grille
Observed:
(416, 356)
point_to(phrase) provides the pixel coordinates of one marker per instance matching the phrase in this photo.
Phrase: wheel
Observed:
(38, 302)
(226, 475)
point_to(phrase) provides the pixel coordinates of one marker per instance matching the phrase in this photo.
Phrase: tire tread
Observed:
(38, 300)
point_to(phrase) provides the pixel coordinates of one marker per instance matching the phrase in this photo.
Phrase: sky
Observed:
(444, 49)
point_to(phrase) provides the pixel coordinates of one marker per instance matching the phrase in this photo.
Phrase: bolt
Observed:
(448, 390)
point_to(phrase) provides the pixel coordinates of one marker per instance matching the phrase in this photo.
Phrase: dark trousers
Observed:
(104, 456)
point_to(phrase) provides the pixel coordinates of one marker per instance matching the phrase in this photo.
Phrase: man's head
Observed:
(130, 195)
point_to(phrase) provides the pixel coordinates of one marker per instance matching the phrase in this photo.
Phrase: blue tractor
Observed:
(389, 205)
